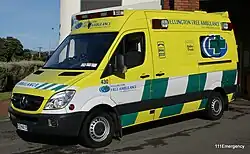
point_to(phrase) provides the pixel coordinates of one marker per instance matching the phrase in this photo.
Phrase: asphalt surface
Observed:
(182, 135)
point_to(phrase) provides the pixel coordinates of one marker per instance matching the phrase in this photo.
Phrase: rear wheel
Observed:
(97, 130)
(215, 106)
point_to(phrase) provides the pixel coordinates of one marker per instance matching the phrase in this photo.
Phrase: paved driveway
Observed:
(183, 135)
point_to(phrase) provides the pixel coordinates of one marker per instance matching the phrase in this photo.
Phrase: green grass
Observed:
(5, 96)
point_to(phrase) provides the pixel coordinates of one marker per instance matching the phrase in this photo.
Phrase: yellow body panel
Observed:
(158, 113)
(144, 117)
(191, 107)
(230, 97)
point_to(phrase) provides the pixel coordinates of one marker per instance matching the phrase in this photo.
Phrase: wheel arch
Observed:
(224, 96)
(105, 105)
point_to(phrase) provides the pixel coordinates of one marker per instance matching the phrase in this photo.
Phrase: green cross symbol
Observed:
(217, 44)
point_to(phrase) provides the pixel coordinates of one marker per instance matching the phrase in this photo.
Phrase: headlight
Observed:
(60, 100)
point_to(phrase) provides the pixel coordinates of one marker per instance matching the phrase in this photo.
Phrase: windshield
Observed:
(84, 51)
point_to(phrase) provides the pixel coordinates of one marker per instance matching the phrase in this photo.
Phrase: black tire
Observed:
(215, 103)
(85, 137)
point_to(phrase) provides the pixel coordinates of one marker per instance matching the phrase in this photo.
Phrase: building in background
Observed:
(67, 8)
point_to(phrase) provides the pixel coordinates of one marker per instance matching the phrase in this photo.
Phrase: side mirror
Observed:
(121, 68)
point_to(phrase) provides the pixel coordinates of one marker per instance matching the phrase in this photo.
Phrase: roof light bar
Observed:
(118, 12)
(113, 13)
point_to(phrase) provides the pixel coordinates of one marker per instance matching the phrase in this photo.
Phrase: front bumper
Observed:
(67, 125)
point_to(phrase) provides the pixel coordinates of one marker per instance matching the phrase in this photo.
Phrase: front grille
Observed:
(26, 102)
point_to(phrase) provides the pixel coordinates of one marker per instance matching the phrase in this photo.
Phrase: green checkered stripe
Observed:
(41, 86)
(51, 86)
(160, 86)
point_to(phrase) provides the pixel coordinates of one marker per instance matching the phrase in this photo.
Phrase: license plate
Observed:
(22, 127)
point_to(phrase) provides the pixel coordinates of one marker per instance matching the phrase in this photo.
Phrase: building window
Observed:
(99, 4)
(162, 4)
(171, 4)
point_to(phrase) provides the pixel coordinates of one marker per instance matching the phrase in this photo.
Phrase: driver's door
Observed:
(130, 89)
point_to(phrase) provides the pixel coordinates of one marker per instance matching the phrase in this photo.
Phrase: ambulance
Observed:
(121, 68)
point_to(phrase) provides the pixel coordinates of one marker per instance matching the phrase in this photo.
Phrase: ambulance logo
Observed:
(104, 89)
(214, 46)
(79, 25)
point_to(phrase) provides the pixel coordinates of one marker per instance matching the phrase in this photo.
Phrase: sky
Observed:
(34, 22)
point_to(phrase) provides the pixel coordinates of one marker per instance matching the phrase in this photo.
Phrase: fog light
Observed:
(71, 107)
(52, 122)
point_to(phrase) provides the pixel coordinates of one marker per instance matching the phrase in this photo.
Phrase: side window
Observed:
(132, 47)
(213, 46)
(71, 49)
(63, 54)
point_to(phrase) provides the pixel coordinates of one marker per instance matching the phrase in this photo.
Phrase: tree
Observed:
(13, 47)
(9, 48)
(27, 54)
(2, 50)
(44, 56)
(1, 43)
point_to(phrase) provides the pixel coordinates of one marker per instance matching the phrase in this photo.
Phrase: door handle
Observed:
(144, 76)
(160, 74)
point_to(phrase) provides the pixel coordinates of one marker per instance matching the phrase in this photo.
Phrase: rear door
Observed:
(218, 60)
(176, 76)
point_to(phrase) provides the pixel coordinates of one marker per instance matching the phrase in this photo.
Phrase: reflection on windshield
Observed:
(84, 51)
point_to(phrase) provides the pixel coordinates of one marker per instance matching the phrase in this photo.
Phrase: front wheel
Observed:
(97, 130)
(215, 106)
